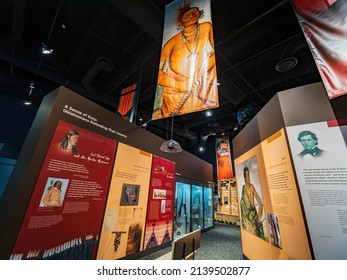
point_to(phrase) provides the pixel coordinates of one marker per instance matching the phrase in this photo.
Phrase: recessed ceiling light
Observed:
(286, 64)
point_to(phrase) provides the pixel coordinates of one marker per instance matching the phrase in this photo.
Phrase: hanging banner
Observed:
(187, 79)
(324, 25)
(128, 103)
(65, 212)
(224, 168)
(160, 203)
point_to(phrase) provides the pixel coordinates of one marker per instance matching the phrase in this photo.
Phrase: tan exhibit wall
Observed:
(289, 226)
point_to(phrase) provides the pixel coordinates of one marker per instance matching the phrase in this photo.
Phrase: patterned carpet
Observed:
(221, 243)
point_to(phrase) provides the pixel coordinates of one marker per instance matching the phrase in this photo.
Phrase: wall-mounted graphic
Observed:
(187, 79)
(275, 237)
(70, 190)
(68, 143)
(160, 203)
(159, 194)
(130, 195)
(54, 193)
(323, 184)
(251, 203)
(134, 239)
(309, 142)
(126, 207)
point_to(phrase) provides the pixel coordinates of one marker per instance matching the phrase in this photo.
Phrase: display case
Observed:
(208, 208)
(182, 213)
(197, 208)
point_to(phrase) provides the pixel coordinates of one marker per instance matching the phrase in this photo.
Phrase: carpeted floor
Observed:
(221, 243)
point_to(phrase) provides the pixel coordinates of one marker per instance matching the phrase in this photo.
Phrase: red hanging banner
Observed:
(324, 25)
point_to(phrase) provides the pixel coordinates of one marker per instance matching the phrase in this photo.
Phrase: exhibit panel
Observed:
(125, 214)
(321, 169)
(69, 197)
(305, 157)
(270, 213)
(160, 208)
(72, 145)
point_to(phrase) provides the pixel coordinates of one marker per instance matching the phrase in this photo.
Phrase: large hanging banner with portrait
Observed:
(65, 212)
(324, 25)
(223, 156)
(160, 203)
(187, 79)
(320, 156)
(123, 227)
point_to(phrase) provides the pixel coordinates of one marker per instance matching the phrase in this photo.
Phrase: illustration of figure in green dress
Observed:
(251, 214)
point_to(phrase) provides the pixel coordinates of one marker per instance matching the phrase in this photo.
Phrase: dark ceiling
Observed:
(251, 38)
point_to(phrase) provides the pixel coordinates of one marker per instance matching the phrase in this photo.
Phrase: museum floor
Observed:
(221, 243)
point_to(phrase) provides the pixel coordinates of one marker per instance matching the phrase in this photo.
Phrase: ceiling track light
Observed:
(45, 49)
(208, 113)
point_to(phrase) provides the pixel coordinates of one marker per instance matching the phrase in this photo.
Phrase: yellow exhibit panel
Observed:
(125, 215)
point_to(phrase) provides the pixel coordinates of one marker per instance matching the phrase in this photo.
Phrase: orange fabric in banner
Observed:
(126, 103)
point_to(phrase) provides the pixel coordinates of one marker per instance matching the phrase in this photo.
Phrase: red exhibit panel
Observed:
(160, 206)
(65, 212)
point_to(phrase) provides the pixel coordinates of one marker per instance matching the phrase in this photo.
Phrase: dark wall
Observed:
(15, 122)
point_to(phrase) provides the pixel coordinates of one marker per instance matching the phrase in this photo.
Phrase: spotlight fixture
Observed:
(201, 149)
(208, 113)
(27, 102)
(45, 49)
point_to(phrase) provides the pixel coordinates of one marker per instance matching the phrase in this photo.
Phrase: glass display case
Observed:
(182, 213)
(208, 208)
(197, 208)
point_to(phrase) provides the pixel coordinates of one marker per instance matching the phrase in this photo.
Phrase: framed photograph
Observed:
(130, 195)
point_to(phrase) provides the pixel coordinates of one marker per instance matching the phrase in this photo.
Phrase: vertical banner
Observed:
(324, 25)
(160, 203)
(65, 212)
(187, 79)
(125, 215)
(224, 167)
(128, 102)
